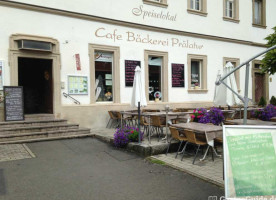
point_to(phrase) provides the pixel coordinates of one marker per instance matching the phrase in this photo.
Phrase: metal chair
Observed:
(176, 136)
(192, 139)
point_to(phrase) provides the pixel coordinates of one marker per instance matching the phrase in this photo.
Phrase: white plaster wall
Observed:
(74, 35)
(122, 10)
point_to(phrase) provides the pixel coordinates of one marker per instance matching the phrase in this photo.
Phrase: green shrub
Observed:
(273, 101)
(262, 102)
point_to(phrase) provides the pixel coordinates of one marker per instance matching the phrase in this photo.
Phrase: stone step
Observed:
(8, 131)
(42, 116)
(17, 124)
(44, 136)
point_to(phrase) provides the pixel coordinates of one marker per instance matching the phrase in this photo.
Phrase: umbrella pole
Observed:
(139, 135)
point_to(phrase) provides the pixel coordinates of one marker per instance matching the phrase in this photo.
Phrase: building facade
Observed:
(89, 50)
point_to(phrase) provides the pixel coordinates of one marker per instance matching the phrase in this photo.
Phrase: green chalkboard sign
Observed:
(250, 159)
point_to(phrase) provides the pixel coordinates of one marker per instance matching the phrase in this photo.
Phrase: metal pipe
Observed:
(246, 94)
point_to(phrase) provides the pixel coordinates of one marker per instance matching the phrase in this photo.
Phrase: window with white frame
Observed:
(197, 73)
(195, 5)
(198, 7)
(161, 3)
(259, 12)
(229, 10)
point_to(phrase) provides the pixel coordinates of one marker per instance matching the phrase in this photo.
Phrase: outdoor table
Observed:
(171, 115)
(251, 122)
(211, 132)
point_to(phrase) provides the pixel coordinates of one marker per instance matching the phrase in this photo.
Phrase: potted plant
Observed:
(196, 86)
(197, 114)
(157, 96)
(214, 116)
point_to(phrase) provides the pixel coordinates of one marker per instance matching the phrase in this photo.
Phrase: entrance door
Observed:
(259, 86)
(35, 75)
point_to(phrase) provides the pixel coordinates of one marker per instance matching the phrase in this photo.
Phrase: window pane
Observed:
(195, 73)
(258, 11)
(229, 8)
(155, 64)
(192, 3)
(103, 76)
(197, 6)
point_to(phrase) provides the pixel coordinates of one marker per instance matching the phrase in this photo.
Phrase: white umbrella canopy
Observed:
(138, 92)
(223, 96)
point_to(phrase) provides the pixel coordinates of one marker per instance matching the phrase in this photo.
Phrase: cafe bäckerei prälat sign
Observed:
(134, 37)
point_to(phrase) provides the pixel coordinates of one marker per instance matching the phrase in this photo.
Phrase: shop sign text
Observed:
(133, 37)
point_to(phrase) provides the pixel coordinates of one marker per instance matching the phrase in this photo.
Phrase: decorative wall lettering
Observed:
(154, 14)
(134, 37)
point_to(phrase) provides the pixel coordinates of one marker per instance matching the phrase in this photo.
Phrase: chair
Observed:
(145, 125)
(176, 135)
(111, 119)
(121, 119)
(158, 125)
(192, 139)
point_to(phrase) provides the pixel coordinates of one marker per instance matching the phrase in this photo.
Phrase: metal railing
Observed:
(68, 96)
(244, 99)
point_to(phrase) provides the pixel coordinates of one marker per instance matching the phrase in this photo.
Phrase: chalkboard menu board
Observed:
(178, 75)
(250, 160)
(130, 66)
(13, 104)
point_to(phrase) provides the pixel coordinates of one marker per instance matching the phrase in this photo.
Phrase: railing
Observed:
(68, 96)
(244, 99)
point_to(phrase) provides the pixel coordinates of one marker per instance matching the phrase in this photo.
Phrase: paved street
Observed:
(87, 169)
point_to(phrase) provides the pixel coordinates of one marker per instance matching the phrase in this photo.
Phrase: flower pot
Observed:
(156, 99)
(196, 87)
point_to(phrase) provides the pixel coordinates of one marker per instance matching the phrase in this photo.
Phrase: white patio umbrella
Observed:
(224, 96)
(138, 94)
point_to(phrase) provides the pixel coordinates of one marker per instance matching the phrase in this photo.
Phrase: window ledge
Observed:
(153, 3)
(196, 12)
(259, 26)
(197, 90)
(231, 20)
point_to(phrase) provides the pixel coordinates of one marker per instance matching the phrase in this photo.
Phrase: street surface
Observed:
(88, 169)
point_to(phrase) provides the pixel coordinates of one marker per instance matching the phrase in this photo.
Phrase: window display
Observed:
(155, 64)
(103, 76)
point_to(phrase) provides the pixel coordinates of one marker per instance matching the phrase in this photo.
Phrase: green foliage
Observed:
(262, 102)
(159, 162)
(269, 61)
(133, 136)
(273, 101)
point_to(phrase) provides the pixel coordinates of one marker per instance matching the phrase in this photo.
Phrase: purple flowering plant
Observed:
(125, 135)
(265, 114)
(214, 116)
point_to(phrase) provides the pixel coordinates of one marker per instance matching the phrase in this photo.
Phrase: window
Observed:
(104, 73)
(231, 10)
(235, 62)
(197, 73)
(161, 3)
(155, 78)
(156, 74)
(103, 76)
(198, 7)
(259, 13)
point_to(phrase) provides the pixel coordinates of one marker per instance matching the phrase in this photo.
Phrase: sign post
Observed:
(14, 103)
(250, 160)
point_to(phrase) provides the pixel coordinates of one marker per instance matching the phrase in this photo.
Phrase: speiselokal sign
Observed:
(250, 162)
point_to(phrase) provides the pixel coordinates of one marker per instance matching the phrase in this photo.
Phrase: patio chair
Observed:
(158, 124)
(112, 118)
(176, 136)
(145, 125)
(192, 139)
(124, 120)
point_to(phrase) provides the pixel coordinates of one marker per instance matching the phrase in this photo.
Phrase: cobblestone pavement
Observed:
(10, 152)
(207, 169)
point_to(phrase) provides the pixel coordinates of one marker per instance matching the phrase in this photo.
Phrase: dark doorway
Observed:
(35, 75)
(259, 86)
